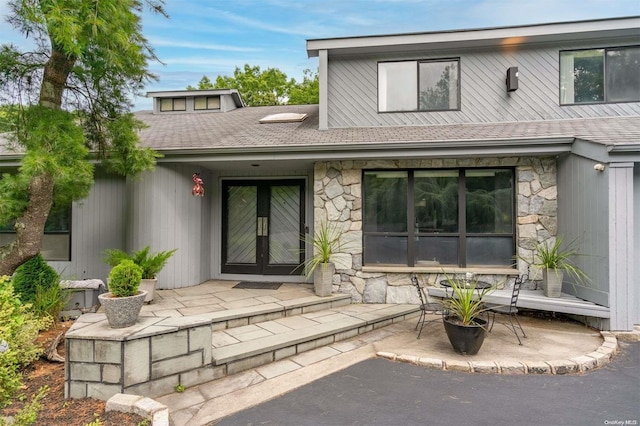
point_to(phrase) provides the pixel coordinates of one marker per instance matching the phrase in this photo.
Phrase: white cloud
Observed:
(162, 42)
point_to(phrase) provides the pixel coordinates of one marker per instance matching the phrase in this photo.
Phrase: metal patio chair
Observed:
(511, 309)
(425, 306)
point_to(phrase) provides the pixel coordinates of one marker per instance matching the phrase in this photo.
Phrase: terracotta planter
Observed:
(552, 279)
(465, 339)
(149, 285)
(323, 279)
(122, 311)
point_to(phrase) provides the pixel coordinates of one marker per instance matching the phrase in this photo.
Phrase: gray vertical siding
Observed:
(621, 247)
(583, 211)
(635, 285)
(352, 86)
(164, 215)
(97, 223)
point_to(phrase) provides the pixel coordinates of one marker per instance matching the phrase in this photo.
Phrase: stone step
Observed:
(238, 317)
(245, 347)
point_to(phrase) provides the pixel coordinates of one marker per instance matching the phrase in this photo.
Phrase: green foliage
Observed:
(554, 256)
(32, 276)
(268, 87)
(18, 331)
(307, 92)
(50, 301)
(90, 58)
(124, 279)
(326, 243)
(466, 303)
(179, 388)
(151, 263)
(54, 147)
(28, 415)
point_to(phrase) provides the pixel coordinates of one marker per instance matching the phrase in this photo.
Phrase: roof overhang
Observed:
(475, 38)
(301, 154)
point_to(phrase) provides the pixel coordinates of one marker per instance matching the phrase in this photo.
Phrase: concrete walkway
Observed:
(551, 347)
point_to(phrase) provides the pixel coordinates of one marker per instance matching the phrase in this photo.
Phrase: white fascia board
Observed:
(502, 36)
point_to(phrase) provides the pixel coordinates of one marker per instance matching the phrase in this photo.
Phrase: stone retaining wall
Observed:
(338, 200)
(149, 359)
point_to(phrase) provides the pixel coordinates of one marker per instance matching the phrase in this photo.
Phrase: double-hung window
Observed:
(456, 217)
(600, 75)
(429, 85)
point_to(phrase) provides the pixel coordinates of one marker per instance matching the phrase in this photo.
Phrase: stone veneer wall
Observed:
(338, 200)
(148, 359)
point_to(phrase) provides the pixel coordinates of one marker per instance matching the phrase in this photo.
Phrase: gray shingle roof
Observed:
(240, 129)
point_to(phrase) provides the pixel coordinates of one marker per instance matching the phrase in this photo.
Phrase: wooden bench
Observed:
(535, 299)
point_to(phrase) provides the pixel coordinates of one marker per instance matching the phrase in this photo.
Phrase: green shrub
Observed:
(31, 275)
(151, 263)
(124, 279)
(50, 301)
(18, 331)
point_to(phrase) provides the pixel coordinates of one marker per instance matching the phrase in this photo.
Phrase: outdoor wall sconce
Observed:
(512, 79)
(598, 167)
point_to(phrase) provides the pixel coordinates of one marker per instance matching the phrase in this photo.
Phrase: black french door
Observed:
(262, 225)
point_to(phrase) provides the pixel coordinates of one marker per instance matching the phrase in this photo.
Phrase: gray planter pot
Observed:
(149, 285)
(552, 282)
(122, 311)
(323, 279)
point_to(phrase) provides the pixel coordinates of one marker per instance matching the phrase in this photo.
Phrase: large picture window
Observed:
(600, 75)
(432, 85)
(461, 217)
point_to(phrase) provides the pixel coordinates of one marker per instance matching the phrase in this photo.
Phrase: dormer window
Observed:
(202, 103)
(173, 104)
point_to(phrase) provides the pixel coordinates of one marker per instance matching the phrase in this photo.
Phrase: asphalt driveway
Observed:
(382, 392)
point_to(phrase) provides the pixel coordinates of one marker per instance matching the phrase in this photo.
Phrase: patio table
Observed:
(475, 285)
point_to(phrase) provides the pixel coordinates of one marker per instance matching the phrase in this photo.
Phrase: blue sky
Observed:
(212, 37)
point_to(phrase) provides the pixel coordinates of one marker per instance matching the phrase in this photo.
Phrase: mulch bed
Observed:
(56, 409)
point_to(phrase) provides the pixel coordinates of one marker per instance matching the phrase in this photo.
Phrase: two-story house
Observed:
(437, 152)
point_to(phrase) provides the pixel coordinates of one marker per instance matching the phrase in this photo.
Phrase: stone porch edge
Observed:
(581, 364)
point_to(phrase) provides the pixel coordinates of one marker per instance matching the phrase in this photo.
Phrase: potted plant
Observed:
(123, 301)
(151, 264)
(465, 327)
(554, 261)
(325, 243)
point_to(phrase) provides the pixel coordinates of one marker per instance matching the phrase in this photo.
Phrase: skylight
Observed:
(285, 117)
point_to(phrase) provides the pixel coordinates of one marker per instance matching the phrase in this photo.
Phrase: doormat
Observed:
(257, 285)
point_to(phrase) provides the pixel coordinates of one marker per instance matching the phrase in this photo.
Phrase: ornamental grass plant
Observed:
(466, 303)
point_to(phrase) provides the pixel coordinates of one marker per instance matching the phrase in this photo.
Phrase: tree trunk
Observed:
(30, 226)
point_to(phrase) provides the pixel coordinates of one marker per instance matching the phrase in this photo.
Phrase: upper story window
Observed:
(429, 85)
(201, 103)
(173, 104)
(600, 75)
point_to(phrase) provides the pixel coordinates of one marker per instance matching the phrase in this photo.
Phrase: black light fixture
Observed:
(512, 79)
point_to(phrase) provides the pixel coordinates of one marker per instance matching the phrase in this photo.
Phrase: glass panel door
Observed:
(263, 222)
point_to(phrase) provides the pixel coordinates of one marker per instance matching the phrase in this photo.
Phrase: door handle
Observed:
(263, 227)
